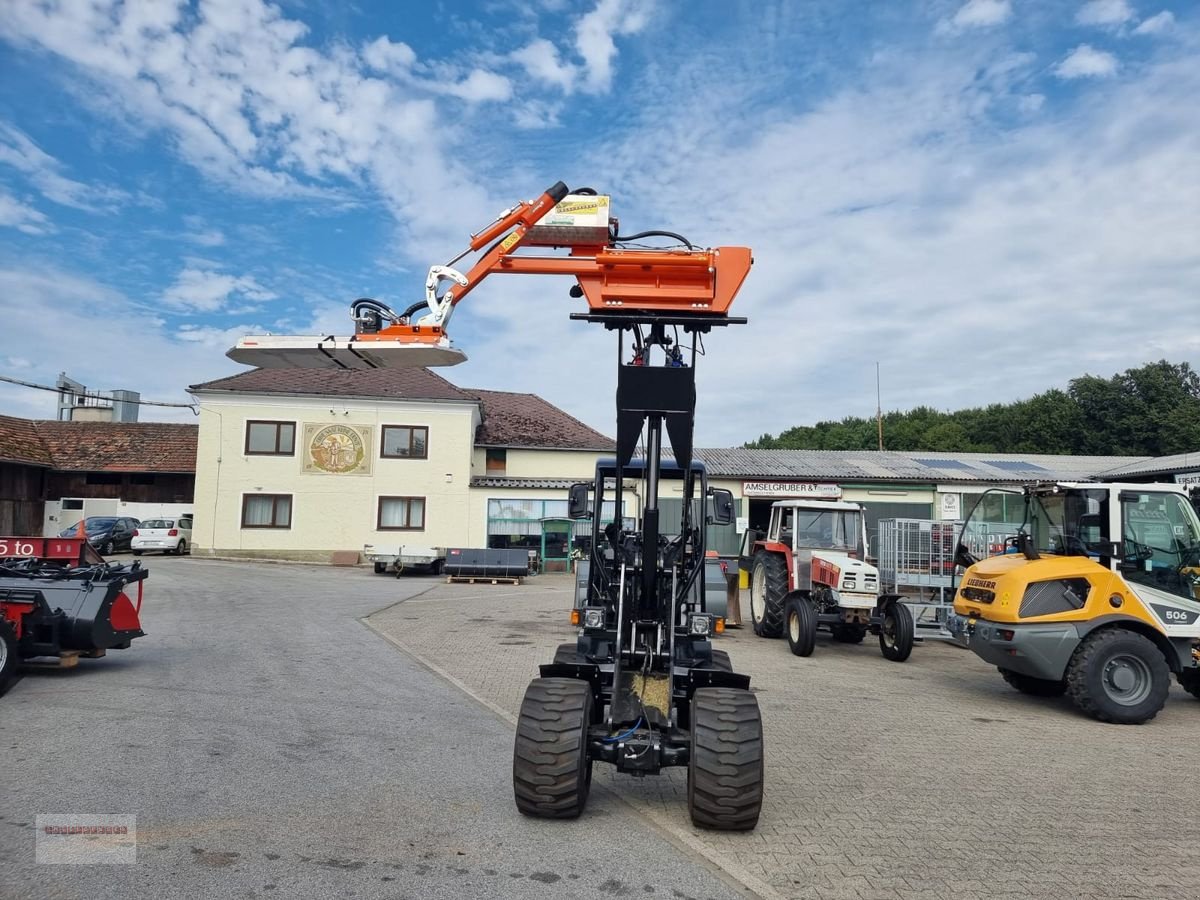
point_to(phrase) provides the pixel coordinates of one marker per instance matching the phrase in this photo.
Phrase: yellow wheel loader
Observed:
(1095, 594)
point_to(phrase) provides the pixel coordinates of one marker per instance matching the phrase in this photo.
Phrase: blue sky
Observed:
(988, 197)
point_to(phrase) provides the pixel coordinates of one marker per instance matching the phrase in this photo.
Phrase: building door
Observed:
(556, 544)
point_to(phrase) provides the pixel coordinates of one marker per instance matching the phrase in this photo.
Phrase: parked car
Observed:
(108, 534)
(167, 535)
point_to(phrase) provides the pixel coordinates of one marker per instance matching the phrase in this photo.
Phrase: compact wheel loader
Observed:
(643, 689)
(1095, 596)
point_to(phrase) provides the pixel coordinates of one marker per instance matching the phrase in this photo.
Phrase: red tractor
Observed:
(811, 572)
(59, 598)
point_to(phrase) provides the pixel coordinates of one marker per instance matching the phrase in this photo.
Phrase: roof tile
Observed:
(526, 420)
(384, 384)
(20, 443)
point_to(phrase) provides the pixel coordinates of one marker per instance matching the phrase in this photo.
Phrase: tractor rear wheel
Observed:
(725, 764)
(1035, 687)
(801, 621)
(552, 773)
(849, 634)
(768, 585)
(1189, 680)
(8, 653)
(897, 632)
(1117, 675)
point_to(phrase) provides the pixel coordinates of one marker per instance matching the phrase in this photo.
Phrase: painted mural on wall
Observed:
(337, 449)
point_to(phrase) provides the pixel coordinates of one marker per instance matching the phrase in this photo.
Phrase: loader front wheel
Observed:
(725, 765)
(897, 632)
(566, 654)
(552, 773)
(1119, 676)
(1035, 687)
(801, 621)
(768, 585)
(1189, 680)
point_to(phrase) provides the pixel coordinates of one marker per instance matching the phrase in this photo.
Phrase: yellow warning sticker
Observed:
(510, 240)
(577, 207)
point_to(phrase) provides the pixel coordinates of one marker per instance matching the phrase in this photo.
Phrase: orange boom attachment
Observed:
(685, 284)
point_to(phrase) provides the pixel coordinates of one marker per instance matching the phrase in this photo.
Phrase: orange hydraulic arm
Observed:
(690, 282)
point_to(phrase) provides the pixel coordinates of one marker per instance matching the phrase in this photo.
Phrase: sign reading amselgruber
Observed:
(781, 489)
(337, 449)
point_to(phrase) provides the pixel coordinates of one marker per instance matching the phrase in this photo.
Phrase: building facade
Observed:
(298, 464)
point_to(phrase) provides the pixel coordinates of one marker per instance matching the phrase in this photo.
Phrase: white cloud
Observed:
(44, 172)
(1104, 12)
(1031, 103)
(594, 38)
(541, 59)
(977, 14)
(21, 216)
(481, 86)
(204, 290)
(1157, 24)
(1085, 61)
(385, 56)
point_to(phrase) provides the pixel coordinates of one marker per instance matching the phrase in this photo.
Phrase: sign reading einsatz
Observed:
(790, 489)
(1188, 479)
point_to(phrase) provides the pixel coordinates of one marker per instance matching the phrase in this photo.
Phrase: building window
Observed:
(405, 442)
(401, 514)
(270, 438)
(267, 511)
(497, 461)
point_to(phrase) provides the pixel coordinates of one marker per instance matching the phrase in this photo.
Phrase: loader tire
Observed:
(801, 621)
(1117, 675)
(849, 634)
(721, 661)
(1035, 687)
(768, 585)
(566, 654)
(1189, 680)
(897, 633)
(725, 763)
(8, 653)
(552, 773)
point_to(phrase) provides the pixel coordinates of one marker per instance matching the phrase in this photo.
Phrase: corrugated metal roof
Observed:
(892, 465)
(1180, 462)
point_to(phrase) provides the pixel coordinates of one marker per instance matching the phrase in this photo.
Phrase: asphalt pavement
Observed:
(271, 745)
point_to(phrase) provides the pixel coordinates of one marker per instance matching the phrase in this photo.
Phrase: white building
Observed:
(300, 463)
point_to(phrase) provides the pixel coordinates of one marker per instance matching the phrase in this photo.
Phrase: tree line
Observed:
(1153, 410)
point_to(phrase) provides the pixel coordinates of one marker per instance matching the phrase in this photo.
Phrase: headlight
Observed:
(699, 625)
(593, 618)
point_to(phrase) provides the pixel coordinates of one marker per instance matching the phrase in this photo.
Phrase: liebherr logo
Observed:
(981, 583)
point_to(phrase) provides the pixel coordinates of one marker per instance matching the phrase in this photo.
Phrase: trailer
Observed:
(400, 558)
(917, 560)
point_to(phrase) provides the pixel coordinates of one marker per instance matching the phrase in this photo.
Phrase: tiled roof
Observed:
(375, 384)
(875, 465)
(1160, 465)
(120, 446)
(20, 443)
(99, 446)
(526, 420)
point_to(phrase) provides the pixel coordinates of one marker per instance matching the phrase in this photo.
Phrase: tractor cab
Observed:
(819, 524)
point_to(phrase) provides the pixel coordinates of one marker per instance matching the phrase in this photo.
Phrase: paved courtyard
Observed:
(928, 779)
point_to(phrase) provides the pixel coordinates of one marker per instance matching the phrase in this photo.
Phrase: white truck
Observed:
(399, 558)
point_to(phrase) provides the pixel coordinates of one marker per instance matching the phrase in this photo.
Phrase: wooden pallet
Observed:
(480, 579)
(66, 659)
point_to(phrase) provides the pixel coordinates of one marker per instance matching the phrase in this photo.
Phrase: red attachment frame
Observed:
(74, 550)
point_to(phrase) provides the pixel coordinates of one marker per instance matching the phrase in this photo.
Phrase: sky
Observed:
(988, 198)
